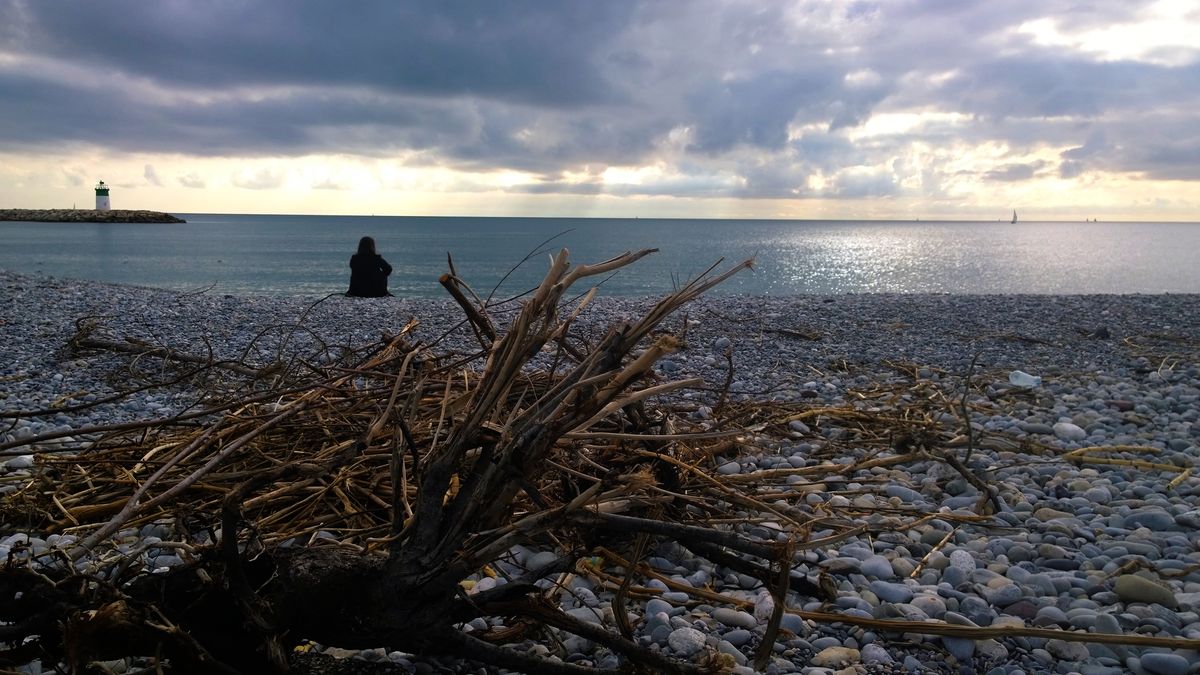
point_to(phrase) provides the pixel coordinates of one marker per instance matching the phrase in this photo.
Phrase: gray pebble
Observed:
(1165, 664)
(738, 637)
(733, 617)
(873, 653)
(877, 566)
(729, 468)
(686, 641)
(891, 592)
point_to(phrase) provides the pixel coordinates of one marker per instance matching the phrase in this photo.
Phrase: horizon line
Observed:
(782, 220)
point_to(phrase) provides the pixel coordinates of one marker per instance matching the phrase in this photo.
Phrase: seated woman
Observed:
(368, 272)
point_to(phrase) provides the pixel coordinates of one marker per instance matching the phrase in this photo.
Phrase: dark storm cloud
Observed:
(294, 123)
(1174, 161)
(544, 143)
(1014, 172)
(785, 177)
(1052, 86)
(741, 99)
(756, 110)
(1162, 145)
(523, 50)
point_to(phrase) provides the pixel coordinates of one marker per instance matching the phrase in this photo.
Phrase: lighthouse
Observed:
(102, 197)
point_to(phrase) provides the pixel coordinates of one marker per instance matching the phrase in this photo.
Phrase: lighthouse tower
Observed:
(102, 197)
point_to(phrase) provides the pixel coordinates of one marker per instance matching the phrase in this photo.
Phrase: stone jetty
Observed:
(87, 216)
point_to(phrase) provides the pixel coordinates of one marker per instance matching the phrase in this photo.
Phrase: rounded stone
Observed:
(891, 592)
(954, 576)
(1067, 651)
(1069, 432)
(903, 493)
(835, 656)
(1165, 664)
(930, 604)
(962, 648)
(735, 618)
(1050, 616)
(873, 653)
(738, 637)
(685, 641)
(1156, 520)
(903, 567)
(1133, 588)
(877, 566)
(793, 623)
(19, 462)
(962, 560)
(1004, 595)
(654, 606)
(1108, 624)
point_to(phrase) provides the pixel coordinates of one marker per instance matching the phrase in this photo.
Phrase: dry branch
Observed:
(130, 346)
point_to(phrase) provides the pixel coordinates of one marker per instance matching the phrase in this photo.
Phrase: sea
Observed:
(503, 257)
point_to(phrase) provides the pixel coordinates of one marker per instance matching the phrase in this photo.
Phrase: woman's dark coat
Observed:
(368, 276)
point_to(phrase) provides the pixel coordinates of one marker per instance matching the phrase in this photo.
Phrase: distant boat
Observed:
(1014, 217)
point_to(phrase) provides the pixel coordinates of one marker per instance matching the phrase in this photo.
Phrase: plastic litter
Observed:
(1020, 378)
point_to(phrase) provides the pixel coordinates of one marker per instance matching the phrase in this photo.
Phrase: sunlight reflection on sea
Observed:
(252, 254)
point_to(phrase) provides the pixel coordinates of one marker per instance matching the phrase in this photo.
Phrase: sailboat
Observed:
(1014, 216)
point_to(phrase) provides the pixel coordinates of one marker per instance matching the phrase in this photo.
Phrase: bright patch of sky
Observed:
(1168, 34)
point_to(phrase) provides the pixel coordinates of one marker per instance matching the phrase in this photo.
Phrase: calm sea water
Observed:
(253, 254)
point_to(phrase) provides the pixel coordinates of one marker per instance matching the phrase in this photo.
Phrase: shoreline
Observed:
(1118, 371)
(784, 348)
(940, 331)
(212, 288)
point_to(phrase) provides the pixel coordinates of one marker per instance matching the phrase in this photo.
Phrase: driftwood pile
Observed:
(358, 504)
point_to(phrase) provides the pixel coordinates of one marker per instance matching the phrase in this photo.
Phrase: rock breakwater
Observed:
(87, 216)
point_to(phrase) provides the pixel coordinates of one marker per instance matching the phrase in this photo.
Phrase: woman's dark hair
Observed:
(366, 246)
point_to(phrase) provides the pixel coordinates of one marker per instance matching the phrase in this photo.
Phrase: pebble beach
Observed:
(1109, 547)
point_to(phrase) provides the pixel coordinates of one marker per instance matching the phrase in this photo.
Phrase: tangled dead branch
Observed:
(416, 471)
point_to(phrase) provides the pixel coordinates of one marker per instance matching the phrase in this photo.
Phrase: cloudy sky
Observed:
(689, 108)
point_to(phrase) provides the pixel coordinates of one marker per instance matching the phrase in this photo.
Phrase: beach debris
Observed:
(1020, 378)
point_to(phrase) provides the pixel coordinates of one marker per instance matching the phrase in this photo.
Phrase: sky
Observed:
(935, 109)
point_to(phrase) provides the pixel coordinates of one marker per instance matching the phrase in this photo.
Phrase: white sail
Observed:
(1014, 216)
